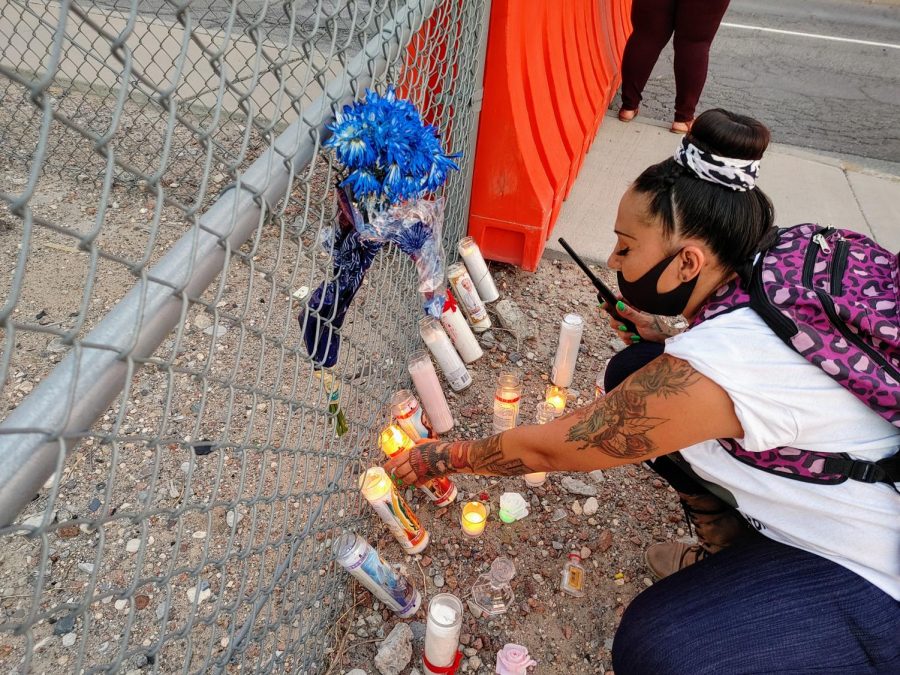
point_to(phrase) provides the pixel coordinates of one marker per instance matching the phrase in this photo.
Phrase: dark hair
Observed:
(735, 225)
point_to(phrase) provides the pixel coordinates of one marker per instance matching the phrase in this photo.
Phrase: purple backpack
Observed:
(833, 296)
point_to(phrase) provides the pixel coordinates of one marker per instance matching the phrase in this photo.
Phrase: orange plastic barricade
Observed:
(551, 69)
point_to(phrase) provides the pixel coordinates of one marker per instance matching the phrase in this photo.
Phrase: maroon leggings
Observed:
(694, 23)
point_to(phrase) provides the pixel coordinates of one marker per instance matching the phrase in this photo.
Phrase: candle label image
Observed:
(466, 294)
(405, 519)
(441, 491)
(415, 422)
(395, 585)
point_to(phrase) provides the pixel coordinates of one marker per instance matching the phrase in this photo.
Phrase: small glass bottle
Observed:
(492, 593)
(573, 576)
(506, 401)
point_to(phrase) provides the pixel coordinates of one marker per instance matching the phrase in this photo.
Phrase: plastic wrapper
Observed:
(415, 228)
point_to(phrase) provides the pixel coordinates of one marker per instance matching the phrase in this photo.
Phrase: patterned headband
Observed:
(735, 174)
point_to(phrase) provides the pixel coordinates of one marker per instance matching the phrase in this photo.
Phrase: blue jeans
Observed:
(756, 607)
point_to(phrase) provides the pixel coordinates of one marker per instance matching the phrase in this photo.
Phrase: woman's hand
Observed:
(649, 326)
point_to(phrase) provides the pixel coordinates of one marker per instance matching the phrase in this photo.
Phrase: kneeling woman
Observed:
(813, 582)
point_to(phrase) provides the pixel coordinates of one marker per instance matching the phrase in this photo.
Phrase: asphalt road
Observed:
(826, 95)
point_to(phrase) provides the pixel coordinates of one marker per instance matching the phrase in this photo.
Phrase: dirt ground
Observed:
(564, 634)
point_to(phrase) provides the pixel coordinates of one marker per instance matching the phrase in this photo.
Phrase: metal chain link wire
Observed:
(170, 476)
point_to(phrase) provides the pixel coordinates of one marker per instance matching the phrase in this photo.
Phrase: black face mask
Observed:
(642, 294)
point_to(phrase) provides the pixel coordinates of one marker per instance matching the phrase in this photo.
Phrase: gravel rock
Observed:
(576, 508)
(558, 514)
(133, 545)
(65, 625)
(591, 506)
(512, 318)
(357, 671)
(418, 630)
(577, 486)
(438, 581)
(69, 639)
(87, 568)
(474, 662)
(395, 652)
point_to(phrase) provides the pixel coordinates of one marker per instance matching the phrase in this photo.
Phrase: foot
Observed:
(671, 556)
(680, 127)
(626, 115)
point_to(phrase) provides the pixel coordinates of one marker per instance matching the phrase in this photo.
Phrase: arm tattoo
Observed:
(437, 458)
(618, 427)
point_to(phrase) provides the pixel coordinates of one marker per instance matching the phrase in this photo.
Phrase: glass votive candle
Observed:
(556, 396)
(473, 519)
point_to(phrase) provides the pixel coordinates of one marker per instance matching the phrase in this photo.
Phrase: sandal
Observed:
(626, 115)
(681, 127)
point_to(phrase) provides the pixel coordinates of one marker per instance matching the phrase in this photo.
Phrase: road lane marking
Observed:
(812, 35)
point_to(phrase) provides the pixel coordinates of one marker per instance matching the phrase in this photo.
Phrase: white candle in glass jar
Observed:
(432, 396)
(441, 348)
(459, 332)
(567, 352)
(465, 291)
(442, 628)
(478, 269)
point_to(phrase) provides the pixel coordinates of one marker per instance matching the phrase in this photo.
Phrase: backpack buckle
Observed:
(866, 472)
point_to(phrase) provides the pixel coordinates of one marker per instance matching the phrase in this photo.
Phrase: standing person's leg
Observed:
(760, 607)
(653, 22)
(696, 23)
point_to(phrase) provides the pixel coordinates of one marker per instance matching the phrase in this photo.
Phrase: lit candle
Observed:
(567, 352)
(464, 290)
(379, 491)
(392, 440)
(441, 348)
(556, 397)
(474, 518)
(426, 381)
(478, 270)
(445, 614)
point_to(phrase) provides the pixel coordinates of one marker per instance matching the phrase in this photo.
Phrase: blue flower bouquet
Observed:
(389, 162)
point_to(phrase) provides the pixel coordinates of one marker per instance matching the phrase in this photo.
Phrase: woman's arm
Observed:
(664, 407)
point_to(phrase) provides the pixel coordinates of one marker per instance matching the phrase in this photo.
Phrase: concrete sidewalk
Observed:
(805, 187)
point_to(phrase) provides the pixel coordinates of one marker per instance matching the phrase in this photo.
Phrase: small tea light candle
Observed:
(556, 396)
(474, 518)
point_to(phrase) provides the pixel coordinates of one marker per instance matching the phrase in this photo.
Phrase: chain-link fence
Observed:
(170, 473)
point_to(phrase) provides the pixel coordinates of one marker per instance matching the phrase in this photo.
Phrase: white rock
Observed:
(87, 568)
(357, 671)
(133, 545)
(576, 508)
(121, 604)
(396, 651)
(597, 476)
(577, 486)
(216, 331)
(199, 534)
(69, 639)
(591, 506)
(204, 594)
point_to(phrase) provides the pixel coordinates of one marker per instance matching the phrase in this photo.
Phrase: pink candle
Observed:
(428, 386)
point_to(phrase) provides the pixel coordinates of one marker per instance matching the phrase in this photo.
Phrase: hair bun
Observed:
(729, 134)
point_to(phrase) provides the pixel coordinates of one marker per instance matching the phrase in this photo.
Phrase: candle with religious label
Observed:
(361, 560)
(506, 401)
(442, 349)
(410, 417)
(445, 615)
(556, 397)
(459, 332)
(392, 440)
(474, 518)
(545, 413)
(567, 352)
(478, 270)
(388, 503)
(464, 290)
(427, 384)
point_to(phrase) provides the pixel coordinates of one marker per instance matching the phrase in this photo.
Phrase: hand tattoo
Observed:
(619, 425)
(438, 458)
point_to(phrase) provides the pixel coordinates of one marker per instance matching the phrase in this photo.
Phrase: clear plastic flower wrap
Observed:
(415, 228)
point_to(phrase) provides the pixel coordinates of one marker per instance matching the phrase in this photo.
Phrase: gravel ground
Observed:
(635, 509)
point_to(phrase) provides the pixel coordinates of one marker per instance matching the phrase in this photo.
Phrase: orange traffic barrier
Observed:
(552, 68)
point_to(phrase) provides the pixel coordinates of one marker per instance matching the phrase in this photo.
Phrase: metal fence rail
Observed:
(170, 476)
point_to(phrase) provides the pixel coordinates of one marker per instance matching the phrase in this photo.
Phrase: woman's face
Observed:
(640, 243)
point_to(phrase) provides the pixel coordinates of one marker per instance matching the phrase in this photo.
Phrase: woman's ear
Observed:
(692, 260)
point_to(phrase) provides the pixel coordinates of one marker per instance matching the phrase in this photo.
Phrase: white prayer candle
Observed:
(567, 352)
(389, 504)
(465, 291)
(459, 332)
(442, 349)
(478, 269)
(445, 614)
(432, 396)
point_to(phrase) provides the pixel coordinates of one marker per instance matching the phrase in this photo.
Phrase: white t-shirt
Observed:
(783, 400)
